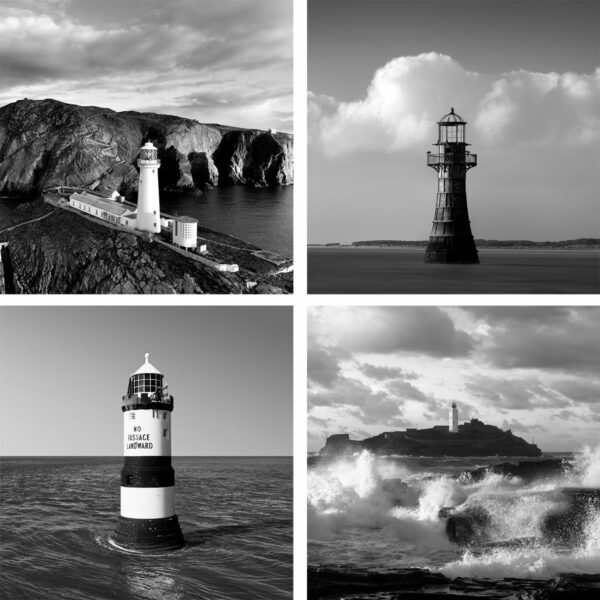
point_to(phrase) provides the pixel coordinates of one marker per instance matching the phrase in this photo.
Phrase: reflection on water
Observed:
(403, 271)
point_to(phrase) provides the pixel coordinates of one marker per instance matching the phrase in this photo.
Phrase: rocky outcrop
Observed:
(45, 143)
(472, 439)
(569, 524)
(527, 470)
(67, 254)
(337, 583)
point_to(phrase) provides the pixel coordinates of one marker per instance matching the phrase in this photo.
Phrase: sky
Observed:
(524, 75)
(530, 369)
(217, 62)
(65, 369)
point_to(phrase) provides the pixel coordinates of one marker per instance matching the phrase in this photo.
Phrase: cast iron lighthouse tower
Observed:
(148, 520)
(148, 205)
(451, 240)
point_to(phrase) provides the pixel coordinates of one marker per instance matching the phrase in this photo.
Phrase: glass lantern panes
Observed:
(145, 383)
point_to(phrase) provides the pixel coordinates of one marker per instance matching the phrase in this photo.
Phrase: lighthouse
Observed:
(451, 240)
(148, 520)
(453, 419)
(148, 205)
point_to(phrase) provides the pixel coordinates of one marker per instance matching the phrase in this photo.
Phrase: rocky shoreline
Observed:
(337, 583)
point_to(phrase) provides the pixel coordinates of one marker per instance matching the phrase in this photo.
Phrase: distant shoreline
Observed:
(592, 248)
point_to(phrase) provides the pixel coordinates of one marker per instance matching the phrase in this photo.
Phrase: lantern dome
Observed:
(451, 118)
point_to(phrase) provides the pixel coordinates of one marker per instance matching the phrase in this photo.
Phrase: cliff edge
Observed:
(45, 143)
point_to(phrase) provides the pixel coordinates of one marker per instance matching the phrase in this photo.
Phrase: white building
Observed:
(103, 208)
(185, 232)
(453, 419)
(148, 206)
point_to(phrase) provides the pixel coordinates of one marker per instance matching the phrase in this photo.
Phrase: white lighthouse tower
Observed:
(148, 520)
(148, 205)
(453, 419)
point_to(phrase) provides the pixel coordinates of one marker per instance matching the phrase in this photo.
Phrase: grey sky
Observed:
(65, 369)
(217, 62)
(530, 369)
(525, 77)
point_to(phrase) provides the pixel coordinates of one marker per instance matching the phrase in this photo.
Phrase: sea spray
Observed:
(534, 561)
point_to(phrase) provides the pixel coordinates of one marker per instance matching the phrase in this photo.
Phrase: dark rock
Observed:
(47, 143)
(568, 524)
(473, 438)
(468, 526)
(525, 470)
(203, 169)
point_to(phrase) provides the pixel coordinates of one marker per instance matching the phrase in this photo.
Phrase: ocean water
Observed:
(360, 515)
(402, 271)
(263, 217)
(57, 514)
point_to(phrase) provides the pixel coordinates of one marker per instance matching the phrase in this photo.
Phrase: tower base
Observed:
(451, 251)
(141, 535)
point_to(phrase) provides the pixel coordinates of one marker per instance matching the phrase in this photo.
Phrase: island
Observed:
(472, 438)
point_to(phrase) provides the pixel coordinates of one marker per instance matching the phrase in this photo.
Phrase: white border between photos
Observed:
(300, 301)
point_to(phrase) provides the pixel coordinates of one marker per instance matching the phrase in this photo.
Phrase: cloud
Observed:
(386, 330)
(197, 59)
(323, 366)
(383, 373)
(409, 94)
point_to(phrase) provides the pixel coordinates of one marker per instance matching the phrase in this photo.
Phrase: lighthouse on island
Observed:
(451, 240)
(148, 206)
(147, 520)
(453, 419)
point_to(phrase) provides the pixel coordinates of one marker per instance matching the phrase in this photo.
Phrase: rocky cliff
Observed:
(472, 439)
(44, 143)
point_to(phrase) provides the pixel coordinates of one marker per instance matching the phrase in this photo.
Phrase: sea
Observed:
(382, 514)
(58, 513)
(263, 217)
(402, 271)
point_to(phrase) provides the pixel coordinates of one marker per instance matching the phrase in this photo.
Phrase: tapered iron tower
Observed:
(451, 240)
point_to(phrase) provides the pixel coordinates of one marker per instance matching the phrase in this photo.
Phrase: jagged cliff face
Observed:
(46, 143)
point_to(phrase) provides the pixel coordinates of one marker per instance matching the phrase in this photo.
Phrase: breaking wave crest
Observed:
(364, 493)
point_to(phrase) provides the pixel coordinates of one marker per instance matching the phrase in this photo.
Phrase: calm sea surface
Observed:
(260, 216)
(57, 514)
(382, 513)
(402, 271)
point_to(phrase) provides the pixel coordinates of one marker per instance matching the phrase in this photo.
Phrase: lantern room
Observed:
(451, 129)
(146, 380)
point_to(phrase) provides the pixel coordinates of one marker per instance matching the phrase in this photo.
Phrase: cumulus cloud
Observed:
(384, 330)
(410, 93)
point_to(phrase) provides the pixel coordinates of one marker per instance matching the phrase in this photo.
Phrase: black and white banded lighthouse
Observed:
(451, 240)
(148, 520)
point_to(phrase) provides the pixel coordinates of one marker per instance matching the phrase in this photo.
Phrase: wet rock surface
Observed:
(337, 583)
(525, 470)
(568, 525)
(45, 143)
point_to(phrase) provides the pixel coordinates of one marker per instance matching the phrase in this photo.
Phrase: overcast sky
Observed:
(227, 62)
(65, 369)
(530, 369)
(524, 75)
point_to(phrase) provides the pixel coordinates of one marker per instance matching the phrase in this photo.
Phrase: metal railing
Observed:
(470, 160)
